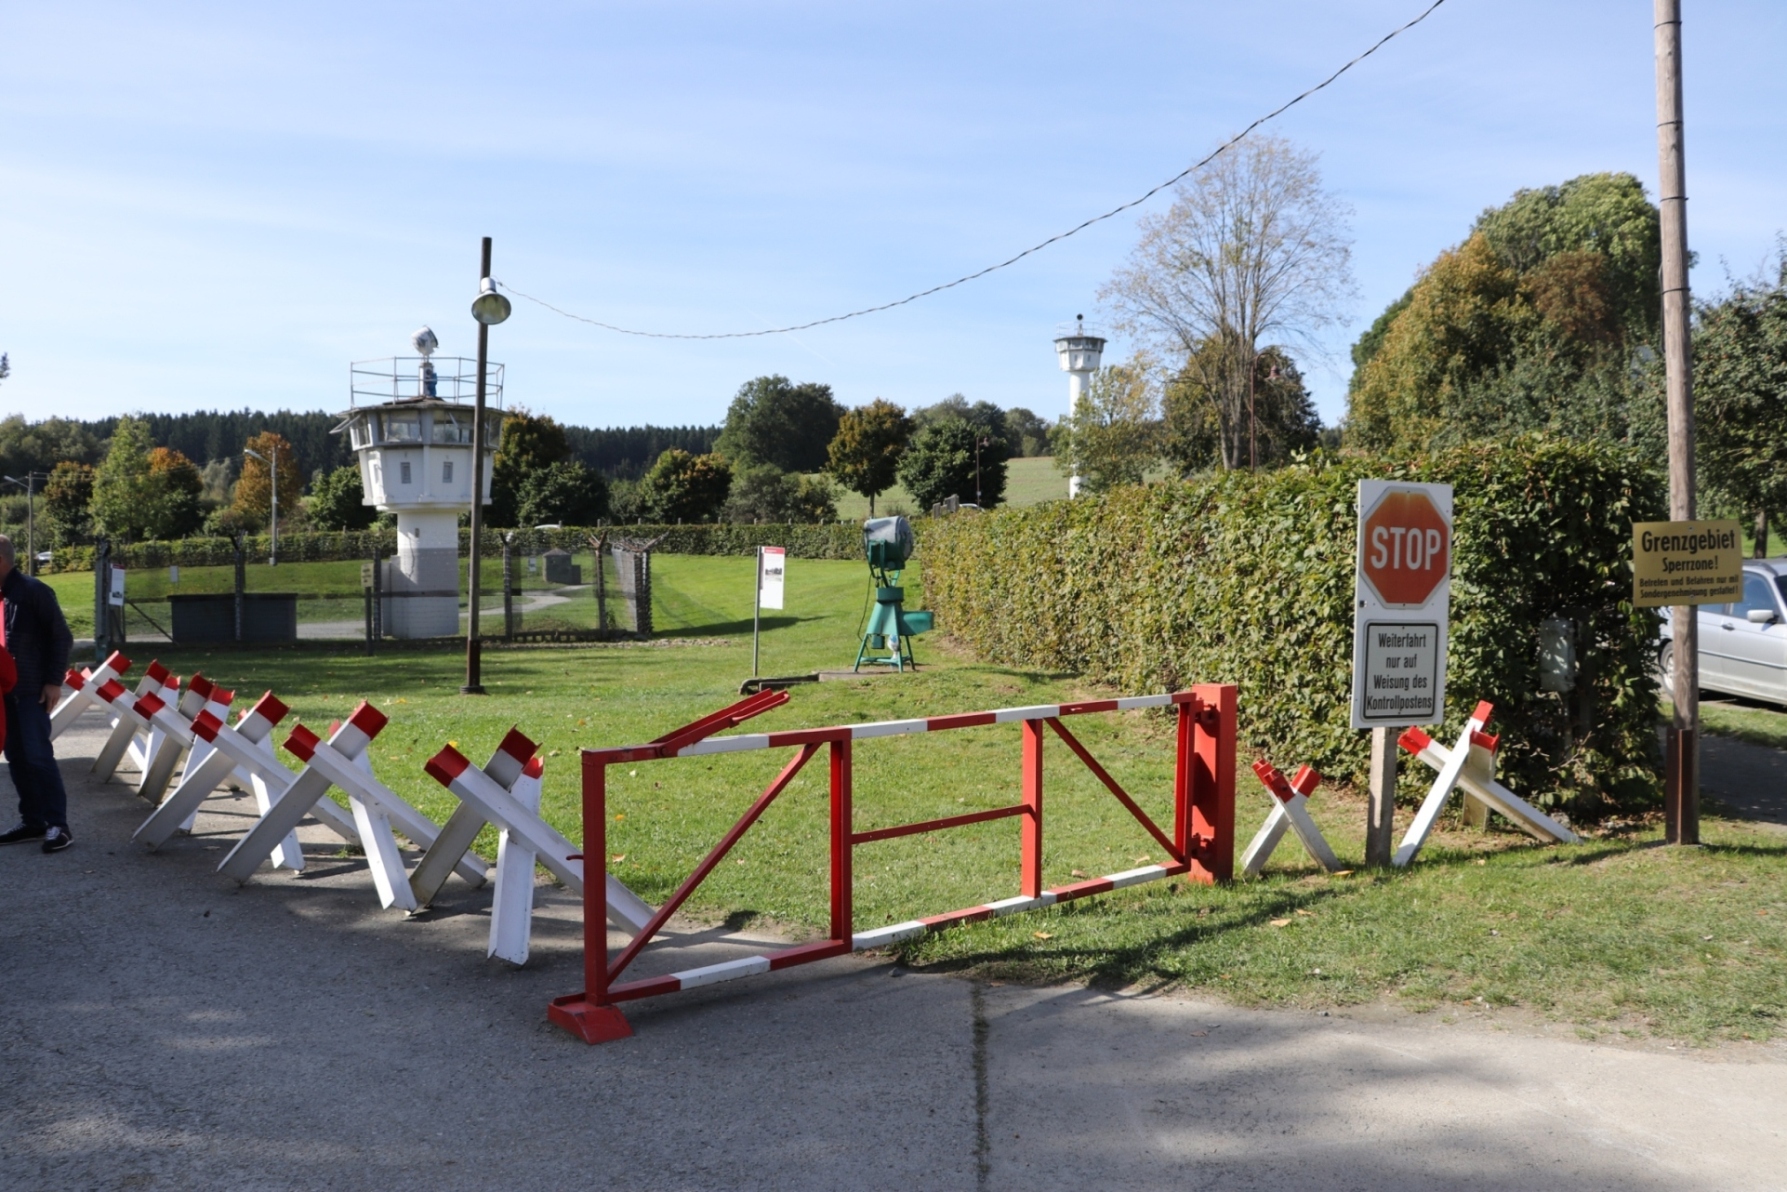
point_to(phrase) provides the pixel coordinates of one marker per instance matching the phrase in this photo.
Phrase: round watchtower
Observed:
(410, 423)
(1079, 354)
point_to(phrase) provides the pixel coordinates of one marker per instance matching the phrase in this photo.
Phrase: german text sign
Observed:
(1402, 600)
(1686, 562)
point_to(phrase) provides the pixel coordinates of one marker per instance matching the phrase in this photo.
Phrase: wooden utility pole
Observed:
(1682, 798)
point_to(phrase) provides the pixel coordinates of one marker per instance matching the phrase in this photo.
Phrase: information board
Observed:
(771, 572)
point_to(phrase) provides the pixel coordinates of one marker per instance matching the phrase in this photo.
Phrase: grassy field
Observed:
(1617, 934)
(1028, 481)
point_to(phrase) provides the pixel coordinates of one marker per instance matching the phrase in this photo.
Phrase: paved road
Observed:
(162, 1028)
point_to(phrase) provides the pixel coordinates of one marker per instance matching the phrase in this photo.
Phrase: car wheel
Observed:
(1666, 664)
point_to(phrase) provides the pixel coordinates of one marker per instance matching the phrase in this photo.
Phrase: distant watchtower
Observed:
(411, 428)
(1079, 354)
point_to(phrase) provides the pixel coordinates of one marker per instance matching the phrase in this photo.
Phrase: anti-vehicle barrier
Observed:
(1290, 812)
(1200, 846)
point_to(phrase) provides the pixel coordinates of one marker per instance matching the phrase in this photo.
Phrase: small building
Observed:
(559, 568)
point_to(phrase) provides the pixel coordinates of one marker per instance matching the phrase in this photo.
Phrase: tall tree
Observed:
(865, 453)
(123, 492)
(1740, 397)
(67, 502)
(774, 421)
(531, 443)
(254, 487)
(941, 462)
(1253, 248)
(685, 488)
(175, 487)
(338, 501)
(566, 493)
(1286, 414)
(1113, 436)
(1540, 320)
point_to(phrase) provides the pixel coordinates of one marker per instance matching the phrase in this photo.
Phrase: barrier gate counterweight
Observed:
(1201, 844)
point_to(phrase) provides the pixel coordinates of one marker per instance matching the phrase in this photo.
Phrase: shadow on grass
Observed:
(1109, 967)
(721, 628)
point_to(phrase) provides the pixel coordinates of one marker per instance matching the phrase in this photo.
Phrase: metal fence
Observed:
(391, 596)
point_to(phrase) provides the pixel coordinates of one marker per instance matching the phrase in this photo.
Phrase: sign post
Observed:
(772, 563)
(1681, 565)
(1402, 592)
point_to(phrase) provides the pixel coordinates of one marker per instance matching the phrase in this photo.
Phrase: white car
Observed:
(1743, 645)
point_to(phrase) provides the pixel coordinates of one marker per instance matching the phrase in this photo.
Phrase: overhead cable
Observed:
(1012, 260)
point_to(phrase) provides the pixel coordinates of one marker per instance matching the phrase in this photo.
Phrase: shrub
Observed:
(1248, 578)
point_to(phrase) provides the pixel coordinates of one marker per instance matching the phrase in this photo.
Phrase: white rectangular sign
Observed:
(771, 568)
(116, 595)
(1402, 593)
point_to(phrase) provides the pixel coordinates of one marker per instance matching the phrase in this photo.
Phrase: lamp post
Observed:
(29, 484)
(488, 308)
(273, 526)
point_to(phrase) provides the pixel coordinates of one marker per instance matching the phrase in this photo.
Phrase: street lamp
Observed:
(488, 308)
(29, 484)
(273, 470)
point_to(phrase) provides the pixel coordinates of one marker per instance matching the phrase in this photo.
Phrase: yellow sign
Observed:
(1686, 562)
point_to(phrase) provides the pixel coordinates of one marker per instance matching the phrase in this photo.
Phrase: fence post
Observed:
(509, 586)
(1212, 795)
(102, 609)
(1182, 768)
(843, 916)
(241, 582)
(1030, 842)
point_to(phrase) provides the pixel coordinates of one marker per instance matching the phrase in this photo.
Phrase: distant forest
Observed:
(621, 453)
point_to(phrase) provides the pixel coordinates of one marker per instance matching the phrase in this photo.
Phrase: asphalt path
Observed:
(161, 1027)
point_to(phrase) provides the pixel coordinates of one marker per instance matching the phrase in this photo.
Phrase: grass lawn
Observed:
(1617, 934)
(1028, 481)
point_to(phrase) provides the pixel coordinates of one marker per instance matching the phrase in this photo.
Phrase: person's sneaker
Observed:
(23, 832)
(56, 839)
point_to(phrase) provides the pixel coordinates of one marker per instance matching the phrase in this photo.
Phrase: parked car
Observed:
(1743, 645)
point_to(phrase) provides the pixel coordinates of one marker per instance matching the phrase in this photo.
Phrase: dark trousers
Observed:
(32, 759)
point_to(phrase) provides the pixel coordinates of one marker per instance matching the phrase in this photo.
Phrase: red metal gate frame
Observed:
(1201, 846)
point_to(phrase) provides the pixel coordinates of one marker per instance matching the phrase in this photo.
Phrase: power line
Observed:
(1034, 248)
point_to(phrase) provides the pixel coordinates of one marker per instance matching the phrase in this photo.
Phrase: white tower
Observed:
(1079, 354)
(411, 427)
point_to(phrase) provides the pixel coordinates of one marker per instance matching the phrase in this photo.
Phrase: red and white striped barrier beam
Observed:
(1470, 764)
(1290, 799)
(80, 691)
(205, 773)
(489, 795)
(302, 796)
(1201, 842)
(378, 812)
(123, 737)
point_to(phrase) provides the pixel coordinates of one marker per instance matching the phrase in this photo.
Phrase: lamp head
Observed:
(253, 452)
(425, 342)
(490, 307)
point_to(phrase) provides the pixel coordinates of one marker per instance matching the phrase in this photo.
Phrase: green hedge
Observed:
(833, 541)
(1249, 578)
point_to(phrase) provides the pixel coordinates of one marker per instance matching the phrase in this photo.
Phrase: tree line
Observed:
(779, 457)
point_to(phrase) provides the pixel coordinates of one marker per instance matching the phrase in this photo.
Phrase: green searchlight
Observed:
(887, 543)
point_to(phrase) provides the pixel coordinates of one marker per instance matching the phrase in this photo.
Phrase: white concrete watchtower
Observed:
(411, 428)
(1079, 354)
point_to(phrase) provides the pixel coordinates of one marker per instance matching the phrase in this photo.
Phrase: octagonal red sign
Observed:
(1406, 548)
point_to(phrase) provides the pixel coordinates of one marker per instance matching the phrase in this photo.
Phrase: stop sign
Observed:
(1405, 548)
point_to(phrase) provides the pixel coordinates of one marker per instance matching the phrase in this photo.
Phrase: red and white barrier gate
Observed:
(1289, 810)
(1201, 844)
(1470, 764)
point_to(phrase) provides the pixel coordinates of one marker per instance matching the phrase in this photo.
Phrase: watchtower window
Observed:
(403, 472)
(447, 472)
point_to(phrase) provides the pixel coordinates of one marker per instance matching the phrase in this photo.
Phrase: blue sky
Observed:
(222, 205)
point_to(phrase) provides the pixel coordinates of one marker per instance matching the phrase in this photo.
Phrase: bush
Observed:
(685, 488)
(1248, 578)
(766, 494)
(940, 463)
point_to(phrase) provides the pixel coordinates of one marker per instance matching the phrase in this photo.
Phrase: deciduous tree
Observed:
(1253, 248)
(685, 488)
(940, 463)
(865, 453)
(337, 501)
(254, 487)
(774, 421)
(1113, 436)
